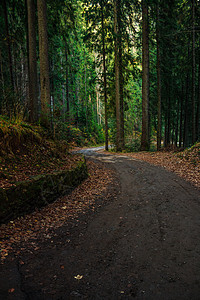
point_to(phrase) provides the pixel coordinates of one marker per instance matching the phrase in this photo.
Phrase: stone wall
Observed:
(26, 196)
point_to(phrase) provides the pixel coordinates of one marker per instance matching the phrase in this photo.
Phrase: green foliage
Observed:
(76, 71)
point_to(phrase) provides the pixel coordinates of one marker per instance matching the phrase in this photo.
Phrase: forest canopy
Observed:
(118, 72)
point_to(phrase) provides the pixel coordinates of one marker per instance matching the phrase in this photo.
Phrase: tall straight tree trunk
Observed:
(2, 77)
(165, 141)
(117, 85)
(44, 63)
(9, 45)
(193, 73)
(104, 77)
(177, 123)
(169, 125)
(63, 102)
(121, 76)
(121, 91)
(158, 80)
(53, 100)
(185, 132)
(145, 78)
(67, 81)
(86, 102)
(198, 108)
(181, 120)
(32, 56)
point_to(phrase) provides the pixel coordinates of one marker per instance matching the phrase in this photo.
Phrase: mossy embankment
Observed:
(34, 169)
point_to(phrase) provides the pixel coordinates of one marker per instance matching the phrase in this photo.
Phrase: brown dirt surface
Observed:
(185, 164)
(138, 239)
(26, 151)
(28, 231)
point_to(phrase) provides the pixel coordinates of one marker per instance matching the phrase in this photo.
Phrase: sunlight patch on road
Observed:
(109, 159)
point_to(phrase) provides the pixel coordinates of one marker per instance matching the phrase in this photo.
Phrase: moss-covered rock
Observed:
(26, 196)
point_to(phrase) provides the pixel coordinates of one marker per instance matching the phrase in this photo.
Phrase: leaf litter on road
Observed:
(26, 233)
(185, 164)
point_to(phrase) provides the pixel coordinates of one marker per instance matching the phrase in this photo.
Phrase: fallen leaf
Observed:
(78, 277)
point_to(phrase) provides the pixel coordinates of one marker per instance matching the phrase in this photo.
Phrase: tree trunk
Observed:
(52, 100)
(121, 91)
(185, 132)
(2, 78)
(165, 141)
(145, 78)
(158, 81)
(44, 63)
(9, 45)
(198, 108)
(67, 81)
(104, 77)
(181, 121)
(193, 73)
(32, 57)
(177, 123)
(86, 102)
(169, 116)
(117, 85)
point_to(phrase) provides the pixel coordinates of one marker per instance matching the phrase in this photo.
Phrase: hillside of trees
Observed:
(120, 72)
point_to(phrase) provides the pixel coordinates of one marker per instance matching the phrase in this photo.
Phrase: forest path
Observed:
(145, 244)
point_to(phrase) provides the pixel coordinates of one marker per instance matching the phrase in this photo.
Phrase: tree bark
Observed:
(145, 78)
(198, 108)
(2, 78)
(177, 122)
(44, 63)
(104, 77)
(185, 132)
(117, 85)
(32, 57)
(181, 121)
(158, 81)
(121, 90)
(193, 74)
(67, 81)
(169, 115)
(9, 45)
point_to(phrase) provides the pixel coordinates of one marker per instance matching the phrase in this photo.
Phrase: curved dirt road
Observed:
(145, 244)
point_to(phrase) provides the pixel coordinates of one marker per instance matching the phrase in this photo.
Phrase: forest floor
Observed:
(185, 164)
(130, 231)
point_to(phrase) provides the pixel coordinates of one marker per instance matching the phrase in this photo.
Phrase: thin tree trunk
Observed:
(165, 141)
(185, 132)
(44, 63)
(169, 117)
(67, 81)
(63, 101)
(193, 73)
(121, 77)
(145, 78)
(32, 56)
(104, 77)
(121, 91)
(8, 44)
(53, 100)
(177, 123)
(117, 85)
(158, 81)
(2, 77)
(86, 104)
(198, 108)
(181, 121)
